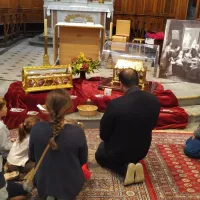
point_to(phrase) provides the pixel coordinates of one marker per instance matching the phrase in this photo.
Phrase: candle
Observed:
(111, 30)
(45, 27)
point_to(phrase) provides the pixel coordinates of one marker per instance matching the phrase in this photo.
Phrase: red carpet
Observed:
(170, 175)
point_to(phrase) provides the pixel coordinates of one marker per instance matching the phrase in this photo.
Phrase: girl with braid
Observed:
(60, 175)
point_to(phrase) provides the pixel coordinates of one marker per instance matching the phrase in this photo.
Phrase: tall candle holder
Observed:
(111, 31)
(46, 56)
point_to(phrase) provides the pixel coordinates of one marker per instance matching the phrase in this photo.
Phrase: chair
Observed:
(139, 32)
(138, 40)
(122, 31)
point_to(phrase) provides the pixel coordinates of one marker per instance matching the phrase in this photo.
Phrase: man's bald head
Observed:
(129, 77)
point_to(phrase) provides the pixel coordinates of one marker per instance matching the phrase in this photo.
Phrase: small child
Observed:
(9, 189)
(192, 145)
(18, 159)
(4, 132)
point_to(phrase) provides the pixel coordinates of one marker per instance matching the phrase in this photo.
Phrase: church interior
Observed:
(43, 43)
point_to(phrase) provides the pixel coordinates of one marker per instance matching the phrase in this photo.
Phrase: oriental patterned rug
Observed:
(170, 175)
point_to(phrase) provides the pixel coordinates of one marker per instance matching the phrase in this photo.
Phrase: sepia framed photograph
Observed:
(180, 58)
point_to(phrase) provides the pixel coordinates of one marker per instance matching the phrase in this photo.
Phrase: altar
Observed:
(81, 11)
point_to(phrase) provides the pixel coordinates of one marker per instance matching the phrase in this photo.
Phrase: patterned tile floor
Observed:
(12, 60)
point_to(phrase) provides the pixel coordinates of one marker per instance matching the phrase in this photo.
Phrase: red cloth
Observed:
(171, 116)
(17, 98)
(84, 90)
(159, 87)
(157, 36)
(175, 117)
(166, 98)
(86, 171)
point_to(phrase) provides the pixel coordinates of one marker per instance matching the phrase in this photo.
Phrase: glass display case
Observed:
(117, 56)
(41, 78)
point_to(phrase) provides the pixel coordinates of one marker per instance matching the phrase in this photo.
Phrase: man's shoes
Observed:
(130, 175)
(134, 174)
(139, 173)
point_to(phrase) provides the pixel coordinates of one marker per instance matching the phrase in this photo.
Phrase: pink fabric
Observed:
(157, 36)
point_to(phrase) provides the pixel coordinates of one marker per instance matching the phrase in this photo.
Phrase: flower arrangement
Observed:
(84, 64)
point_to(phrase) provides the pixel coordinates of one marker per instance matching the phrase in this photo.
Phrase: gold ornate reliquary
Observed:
(138, 65)
(41, 78)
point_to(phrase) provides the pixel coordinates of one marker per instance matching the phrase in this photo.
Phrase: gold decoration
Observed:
(41, 78)
(71, 17)
(137, 65)
(46, 57)
(46, 60)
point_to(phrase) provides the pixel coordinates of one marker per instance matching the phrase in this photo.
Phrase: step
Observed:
(187, 93)
(11, 42)
(94, 122)
(41, 38)
(89, 122)
(189, 100)
(193, 112)
(37, 41)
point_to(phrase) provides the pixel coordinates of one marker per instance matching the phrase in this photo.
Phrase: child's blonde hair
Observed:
(2, 103)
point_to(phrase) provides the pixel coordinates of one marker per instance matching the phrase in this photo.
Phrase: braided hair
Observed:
(58, 103)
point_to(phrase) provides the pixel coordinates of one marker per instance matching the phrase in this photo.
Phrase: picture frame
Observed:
(180, 58)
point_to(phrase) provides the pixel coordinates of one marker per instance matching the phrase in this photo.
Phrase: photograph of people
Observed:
(181, 52)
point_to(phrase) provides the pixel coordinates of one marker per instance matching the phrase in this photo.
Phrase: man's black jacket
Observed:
(126, 126)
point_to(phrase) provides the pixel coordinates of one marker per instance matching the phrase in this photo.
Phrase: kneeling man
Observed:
(126, 129)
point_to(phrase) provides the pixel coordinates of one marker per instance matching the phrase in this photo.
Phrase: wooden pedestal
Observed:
(75, 38)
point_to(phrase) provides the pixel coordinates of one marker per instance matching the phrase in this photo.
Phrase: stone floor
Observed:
(12, 60)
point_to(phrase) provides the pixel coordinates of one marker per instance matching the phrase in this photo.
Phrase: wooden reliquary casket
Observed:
(138, 65)
(41, 78)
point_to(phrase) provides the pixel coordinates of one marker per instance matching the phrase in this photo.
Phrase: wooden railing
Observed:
(14, 25)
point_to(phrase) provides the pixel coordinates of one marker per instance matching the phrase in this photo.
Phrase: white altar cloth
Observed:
(79, 25)
(77, 8)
